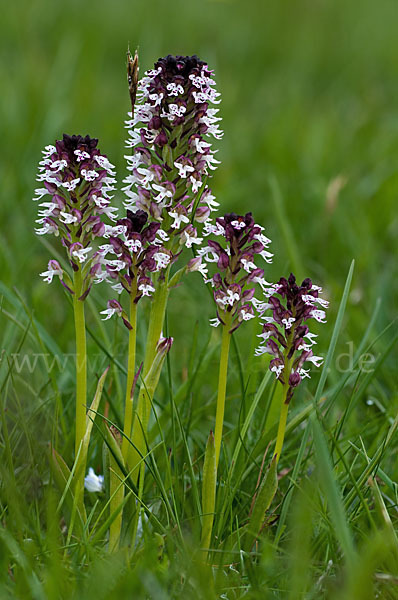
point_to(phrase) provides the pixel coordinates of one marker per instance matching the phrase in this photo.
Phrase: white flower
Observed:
(135, 139)
(163, 192)
(246, 315)
(110, 212)
(47, 228)
(53, 269)
(288, 322)
(209, 199)
(311, 337)
(146, 289)
(81, 253)
(174, 89)
(265, 335)
(178, 219)
(134, 245)
(117, 287)
(259, 305)
(117, 265)
(200, 145)
(81, 155)
(267, 256)
(276, 369)
(214, 322)
(162, 235)
(114, 231)
(104, 163)
(263, 239)
(48, 209)
(304, 373)
(189, 239)
(67, 218)
(71, 185)
(176, 110)
(260, 350)
(89, 175)
(184, 169)
(195, 183)
(215, 229)
(319, 315)
(40, 192)
(162, 260)
(310, 300)
(93, 482)
(58, 165)
(248, 265)
(156, 98)
(315, 360)
(238, 224)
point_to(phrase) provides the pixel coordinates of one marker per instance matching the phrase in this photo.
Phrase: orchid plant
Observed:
(169, 207)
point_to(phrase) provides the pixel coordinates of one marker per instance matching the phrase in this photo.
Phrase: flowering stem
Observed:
(128, 413)
(81, 384)
(222, 384)
(156, 321)
(81, 361)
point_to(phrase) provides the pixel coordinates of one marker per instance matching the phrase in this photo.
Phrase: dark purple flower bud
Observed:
(202, 214)
(164, 345)
(223, 261)
(294, 379)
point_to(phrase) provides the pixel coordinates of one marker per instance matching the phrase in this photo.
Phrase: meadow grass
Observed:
(310, 146)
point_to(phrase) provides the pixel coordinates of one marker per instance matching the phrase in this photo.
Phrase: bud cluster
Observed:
(285, 335)
(240, 241)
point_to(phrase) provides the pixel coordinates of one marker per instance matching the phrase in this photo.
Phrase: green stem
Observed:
(222, 384)
(128, 412)
(81, 384)
(208, 494)
(140, 424)
(81, 361)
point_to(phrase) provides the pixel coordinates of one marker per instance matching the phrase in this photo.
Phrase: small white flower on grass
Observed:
(93, 482)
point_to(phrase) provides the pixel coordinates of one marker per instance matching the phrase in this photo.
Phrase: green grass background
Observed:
(309, 93)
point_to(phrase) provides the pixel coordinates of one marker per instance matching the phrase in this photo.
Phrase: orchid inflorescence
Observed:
(172, 155)
(79, 180)
(139, 253)
(285, 335)
(239, 241)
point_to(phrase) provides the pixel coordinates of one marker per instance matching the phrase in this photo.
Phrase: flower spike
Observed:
(236, 275)
(285, 334)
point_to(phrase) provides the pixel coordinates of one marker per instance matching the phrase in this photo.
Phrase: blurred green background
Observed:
(309, 94)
